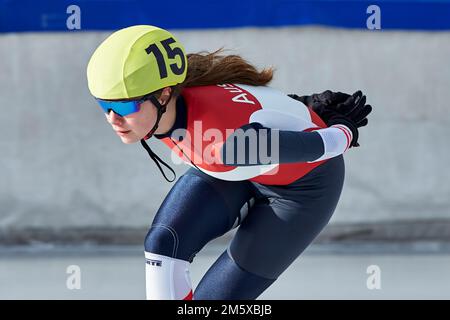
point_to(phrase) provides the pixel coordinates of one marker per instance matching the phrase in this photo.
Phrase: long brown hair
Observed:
(210, 68)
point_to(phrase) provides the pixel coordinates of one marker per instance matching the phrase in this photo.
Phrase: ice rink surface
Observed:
(419, 271)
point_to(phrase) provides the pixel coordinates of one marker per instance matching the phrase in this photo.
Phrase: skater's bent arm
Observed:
(255, 144)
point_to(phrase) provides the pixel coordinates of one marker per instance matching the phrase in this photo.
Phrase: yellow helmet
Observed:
(134, 62)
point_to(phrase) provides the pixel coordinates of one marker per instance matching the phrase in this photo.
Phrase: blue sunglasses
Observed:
(122, 108)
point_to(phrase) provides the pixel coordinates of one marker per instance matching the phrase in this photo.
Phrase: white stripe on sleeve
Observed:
(336, 140)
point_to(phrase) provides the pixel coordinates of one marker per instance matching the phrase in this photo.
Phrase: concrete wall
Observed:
(61, 166)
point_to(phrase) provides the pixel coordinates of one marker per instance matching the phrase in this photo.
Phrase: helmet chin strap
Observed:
(161, 109)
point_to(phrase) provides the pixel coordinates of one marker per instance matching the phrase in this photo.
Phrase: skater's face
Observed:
(135, 126)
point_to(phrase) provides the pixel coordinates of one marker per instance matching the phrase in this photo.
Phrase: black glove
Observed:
(352, 113)
(340, 108)
(318, 101)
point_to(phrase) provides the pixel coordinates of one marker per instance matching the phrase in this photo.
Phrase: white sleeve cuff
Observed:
(336, 140)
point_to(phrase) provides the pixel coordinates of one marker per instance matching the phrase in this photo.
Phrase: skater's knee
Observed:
(263, 264)
(163, 240)
(227, 280)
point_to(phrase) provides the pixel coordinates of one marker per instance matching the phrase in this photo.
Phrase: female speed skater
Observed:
(268, 164)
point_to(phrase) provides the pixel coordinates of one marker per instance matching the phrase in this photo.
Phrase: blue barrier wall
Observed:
(29, 15)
